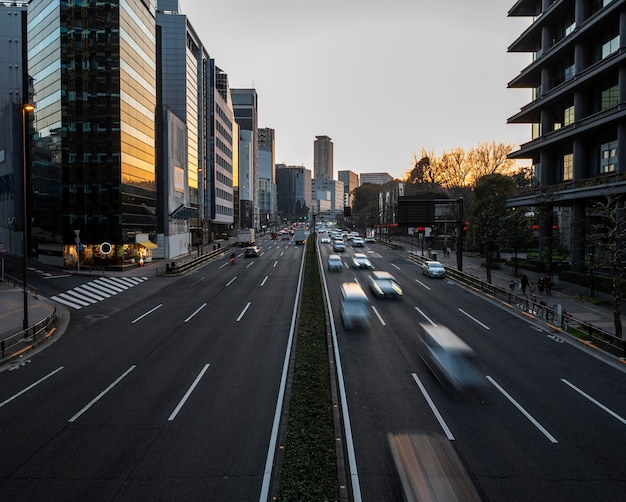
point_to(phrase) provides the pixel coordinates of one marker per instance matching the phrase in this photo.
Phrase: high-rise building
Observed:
(293, 187)
(577, 78)
(323, 157)
(375, 178)
(267, 178)
(93, 67)
(350, 181)
(246, 115)
(323, 189)
(14, 91)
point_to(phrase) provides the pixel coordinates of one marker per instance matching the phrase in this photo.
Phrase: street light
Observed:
(26, 108)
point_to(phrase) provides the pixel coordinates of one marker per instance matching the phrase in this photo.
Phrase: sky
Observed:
(382, 79)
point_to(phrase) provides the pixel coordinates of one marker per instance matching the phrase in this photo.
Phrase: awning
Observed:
(184, 213)
(148, 244)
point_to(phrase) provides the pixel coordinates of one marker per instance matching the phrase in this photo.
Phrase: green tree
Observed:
(517, 233)
(488, 213)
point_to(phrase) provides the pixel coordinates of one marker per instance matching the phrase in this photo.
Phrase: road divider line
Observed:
(24, 391)
(522, 410)
(425, 316)
(434, 409)
(231, 281)
(188, 393)
(264, 280)
(147, 313)
(597, 403)
(243, 312)
(422, 284)
(197, 310)
(103, 393)
(474, 319)
(378, 315)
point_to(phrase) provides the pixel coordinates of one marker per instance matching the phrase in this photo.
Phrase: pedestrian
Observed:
(512, 286)
(547, 282)
(540, 284)
(524, 283)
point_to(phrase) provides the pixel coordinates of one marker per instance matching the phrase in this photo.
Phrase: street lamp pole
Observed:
(26, 108)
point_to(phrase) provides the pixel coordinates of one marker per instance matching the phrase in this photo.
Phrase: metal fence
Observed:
(552, 315)
(25, 339)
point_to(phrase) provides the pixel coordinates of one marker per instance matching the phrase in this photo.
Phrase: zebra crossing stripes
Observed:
(96, 291)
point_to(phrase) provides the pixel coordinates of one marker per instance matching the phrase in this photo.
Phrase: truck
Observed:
(245, 237)
(299, 236)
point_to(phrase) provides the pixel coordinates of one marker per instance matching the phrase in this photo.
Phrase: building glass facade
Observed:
(93, 173)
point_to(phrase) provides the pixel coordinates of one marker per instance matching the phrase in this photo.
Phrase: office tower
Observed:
(323, 157)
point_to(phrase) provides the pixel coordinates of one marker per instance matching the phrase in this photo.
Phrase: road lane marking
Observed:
(281, 254)
(378, 315)
(474, 319)
(201, 278)
(264, 280)
(422, 284)
(197, 310)
(522, 410)
(597, 403)
(231, 281)
(188, 393)
(243, 312)
(250, 264)
(396, 266)
(24, 391)
(103, 393)
(425, 316)
(434, 409)
(147, 313)
(275, 263)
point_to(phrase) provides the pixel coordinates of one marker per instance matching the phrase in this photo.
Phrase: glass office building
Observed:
(93, 66)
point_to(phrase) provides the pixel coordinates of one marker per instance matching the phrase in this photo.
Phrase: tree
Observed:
(490, 158)
(516, 233)
(454, 169)
(488, 213)
(608, 235)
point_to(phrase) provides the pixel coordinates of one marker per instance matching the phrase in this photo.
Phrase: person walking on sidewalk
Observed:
(524, 283)
(547, 282)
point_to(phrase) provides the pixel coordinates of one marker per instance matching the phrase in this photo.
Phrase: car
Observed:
(359, 260)
(339, 246)
(384, 284)
(433, 269)
(355, 306)
(252, 252)
(358, 242)
(370, 238)
(334, 263)
(285, 236)
(325, 239)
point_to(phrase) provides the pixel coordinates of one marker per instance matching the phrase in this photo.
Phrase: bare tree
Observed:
(454, 168)
(490, 158)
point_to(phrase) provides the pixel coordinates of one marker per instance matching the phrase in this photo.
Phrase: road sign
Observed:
(77, 240)
(106, 248)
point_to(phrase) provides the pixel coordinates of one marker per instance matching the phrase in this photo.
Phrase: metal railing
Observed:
(183, 266)
(25, 339)
(19, 283)
(553, 315)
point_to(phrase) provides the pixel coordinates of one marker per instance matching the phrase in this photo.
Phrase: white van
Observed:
(355, 306)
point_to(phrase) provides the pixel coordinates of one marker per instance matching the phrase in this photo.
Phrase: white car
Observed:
(339, 246)
(325, 239)
(384, 284)
(433, 269)
(361, 261)
(358, 242)
(334, 263)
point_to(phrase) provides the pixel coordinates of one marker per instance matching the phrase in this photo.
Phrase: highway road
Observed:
(549, 425)
(172, 396)
(169, 389)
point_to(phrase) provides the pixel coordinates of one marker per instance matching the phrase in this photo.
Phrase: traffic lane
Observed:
(249, 345)
(532, 376)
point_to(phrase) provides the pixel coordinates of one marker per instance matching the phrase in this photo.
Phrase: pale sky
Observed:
(382, 79)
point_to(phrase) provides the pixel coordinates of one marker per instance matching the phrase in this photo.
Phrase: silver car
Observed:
(334, 263)
(361, 261)
(433, 269)
(384, 284)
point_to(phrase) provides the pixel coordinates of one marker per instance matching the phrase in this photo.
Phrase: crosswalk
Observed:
(96, 291)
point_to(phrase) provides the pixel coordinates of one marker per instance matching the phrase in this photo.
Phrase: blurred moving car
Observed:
(433, 269)
(334, 263)
(370, 238)
(358, 242)
(325, 239)
(430, 469)
(449, 358)
(384, 284)
(339, 246)
(355, 306)
(359, 260)
(252, 252)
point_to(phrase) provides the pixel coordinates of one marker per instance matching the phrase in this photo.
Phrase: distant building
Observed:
(267, 178)
(323, 157)
(322, 190)
(375, 178)
(577, 78)
(350, 181)
(293, 187)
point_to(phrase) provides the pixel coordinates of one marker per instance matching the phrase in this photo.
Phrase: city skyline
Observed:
(382, 82)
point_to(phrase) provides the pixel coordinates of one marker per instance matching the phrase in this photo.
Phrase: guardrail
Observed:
(184, 266)
(27, 338)
(18, 283)
(552, 315)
